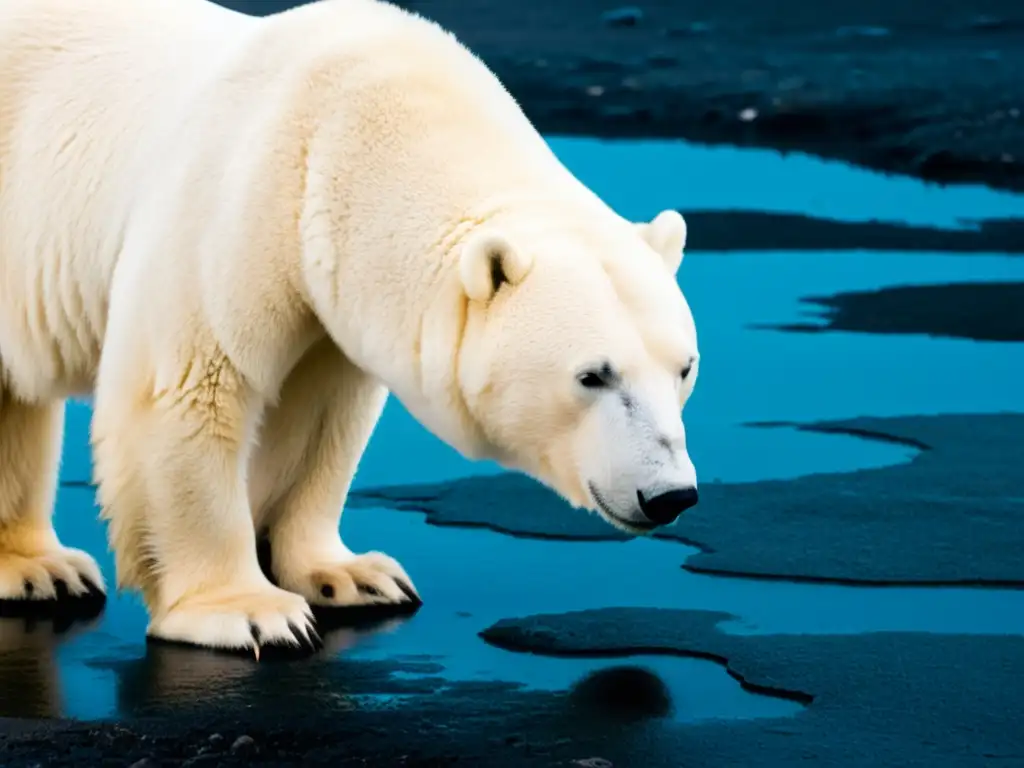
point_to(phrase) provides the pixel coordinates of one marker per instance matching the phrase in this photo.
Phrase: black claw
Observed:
(327, 591)
(298, 635)
(309, 639)
(61, 588)
(29, 587)
(92, 588)
(408, 590)
(314, 636)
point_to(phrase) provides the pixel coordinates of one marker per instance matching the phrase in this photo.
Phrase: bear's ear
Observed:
(488, 261)
(666, 234)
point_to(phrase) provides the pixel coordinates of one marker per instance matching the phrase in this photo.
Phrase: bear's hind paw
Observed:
(360, 580)
(251, 621)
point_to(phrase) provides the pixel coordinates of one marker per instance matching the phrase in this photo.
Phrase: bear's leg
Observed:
(170, 464)
(32, 559)
(310, 445)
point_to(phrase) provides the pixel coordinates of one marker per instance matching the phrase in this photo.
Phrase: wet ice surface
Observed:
(472, 578)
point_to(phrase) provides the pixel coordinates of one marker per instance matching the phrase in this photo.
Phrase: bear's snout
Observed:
(666, 507)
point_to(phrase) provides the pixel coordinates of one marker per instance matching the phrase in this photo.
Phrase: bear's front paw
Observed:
(369, 579)
(50, 575)
(240, 619)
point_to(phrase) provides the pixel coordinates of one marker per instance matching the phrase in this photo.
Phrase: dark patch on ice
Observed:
(775, 231)
(954, 515)
(979, 311)
(872, 699)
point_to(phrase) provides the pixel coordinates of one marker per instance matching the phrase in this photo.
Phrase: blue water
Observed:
(639, 178)
(471, 578)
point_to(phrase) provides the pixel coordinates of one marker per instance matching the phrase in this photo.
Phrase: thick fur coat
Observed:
(238, 235)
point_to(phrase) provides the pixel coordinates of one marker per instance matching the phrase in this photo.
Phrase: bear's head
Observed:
(578, 354)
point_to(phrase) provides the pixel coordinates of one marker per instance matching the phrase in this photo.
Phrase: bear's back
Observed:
(82, 88)
(124, 123)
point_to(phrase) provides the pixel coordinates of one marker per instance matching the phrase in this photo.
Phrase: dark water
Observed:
(471, 578)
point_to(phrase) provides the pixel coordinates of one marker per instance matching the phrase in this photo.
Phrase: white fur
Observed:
(239, 234)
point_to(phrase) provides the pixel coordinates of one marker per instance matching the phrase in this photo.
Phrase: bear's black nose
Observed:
(666, 507)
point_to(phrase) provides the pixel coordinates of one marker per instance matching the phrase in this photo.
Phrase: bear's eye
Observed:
(596, 378)
(687, 369)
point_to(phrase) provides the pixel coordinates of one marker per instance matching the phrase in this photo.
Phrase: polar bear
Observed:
(238, 235)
